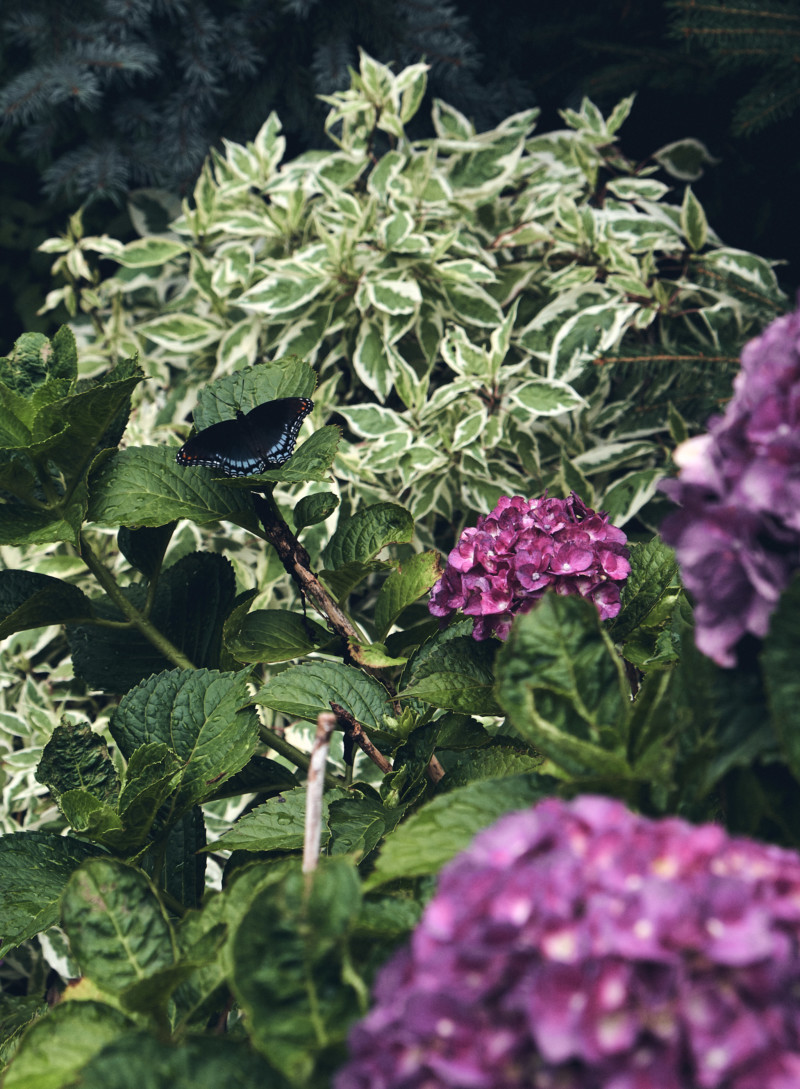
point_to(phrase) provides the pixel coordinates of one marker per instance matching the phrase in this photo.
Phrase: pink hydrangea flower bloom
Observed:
(504, 564)
(737, 534)
(576, 945)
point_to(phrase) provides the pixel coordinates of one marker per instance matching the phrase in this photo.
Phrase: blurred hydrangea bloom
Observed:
(578, 946)
(737, 535)
(504, 564)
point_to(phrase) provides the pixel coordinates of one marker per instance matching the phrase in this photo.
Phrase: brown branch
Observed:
(297, 563)
(355, 731)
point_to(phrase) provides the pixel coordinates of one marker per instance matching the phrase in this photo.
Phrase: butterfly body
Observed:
(253, 442)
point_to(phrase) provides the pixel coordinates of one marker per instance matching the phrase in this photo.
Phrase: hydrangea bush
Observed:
(504, 564)
(581, 946)
(737, 534)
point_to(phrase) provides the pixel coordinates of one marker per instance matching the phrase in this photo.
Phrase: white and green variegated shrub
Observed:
(489, 313)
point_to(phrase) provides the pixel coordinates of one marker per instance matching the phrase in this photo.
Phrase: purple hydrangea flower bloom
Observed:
(503, 565)
(579, 946)
(737, 534)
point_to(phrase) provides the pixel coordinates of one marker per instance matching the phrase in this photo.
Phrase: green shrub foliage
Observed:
(477, 314)
(489, 313)
(168, 978)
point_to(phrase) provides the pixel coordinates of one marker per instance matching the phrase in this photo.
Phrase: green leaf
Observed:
(96, 820)
(546, 397)
(275, 635)
(413, 578)
(437, 831)
(362, 536)
(201, 715)
(34, 868)
(276, 825)
(138, 1060)
(411, 84)
(152, 774)
(472, 305)
(393, 296)
(143, 486)
(693, 221)
(76, 757)
(117, 928)
(310, 510)
(305, 691)
(192, 600)
(184, 332)
(30, 600)
(458, 676)
(653, 574)
(582, 337)
(55, 1048)
(396, 228)
(685, 159)
(222, 398)
(343, 580)
(357, 824)
(183, 872)
(21, 526)
(287, 956)
(563, 687)
(150, 251)
(144, 548)
(280, 294)
(501, 758)
(629, 494)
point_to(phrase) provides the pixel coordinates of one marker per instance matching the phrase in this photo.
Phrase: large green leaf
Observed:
(457, 676)
(361, 537)
(76, 757)
(437, 831)
(139, 1060)
(34, 868)
(413, 578)
(201, 715)
(563, 687)
(143, 486)
(274, 635)
(276, 825)
(118, 930)
(193, 598)
(55, 1048)
(287, 953)
(31, 600)
(305, 691)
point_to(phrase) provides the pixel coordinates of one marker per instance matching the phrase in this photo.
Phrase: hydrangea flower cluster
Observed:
(503, 565)
(737, 535)
(578, 946)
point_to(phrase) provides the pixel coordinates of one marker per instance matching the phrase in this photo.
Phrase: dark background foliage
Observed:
(103, 96)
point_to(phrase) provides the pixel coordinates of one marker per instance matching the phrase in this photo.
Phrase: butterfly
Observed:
(255, 441)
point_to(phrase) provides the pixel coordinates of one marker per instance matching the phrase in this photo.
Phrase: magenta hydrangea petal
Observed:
(737, 534)
(576, 944)
(500, 567)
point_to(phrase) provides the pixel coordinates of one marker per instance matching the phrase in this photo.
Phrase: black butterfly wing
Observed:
(272, 429)
(261, 439)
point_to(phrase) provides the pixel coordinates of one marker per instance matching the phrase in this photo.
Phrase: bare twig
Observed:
(326, 724)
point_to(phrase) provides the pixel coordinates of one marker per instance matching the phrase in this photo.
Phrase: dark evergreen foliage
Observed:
(112, 94)
(759, 37)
